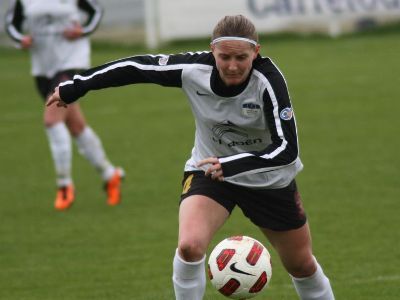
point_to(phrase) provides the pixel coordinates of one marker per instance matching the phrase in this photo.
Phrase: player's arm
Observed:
(159, 69)
(94, 14)
(13, 25)
(283, 150)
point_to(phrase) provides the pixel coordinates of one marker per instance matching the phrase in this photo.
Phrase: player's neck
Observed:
(221, 89)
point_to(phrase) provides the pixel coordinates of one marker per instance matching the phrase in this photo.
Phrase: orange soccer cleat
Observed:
(113, 187)
(65, 197)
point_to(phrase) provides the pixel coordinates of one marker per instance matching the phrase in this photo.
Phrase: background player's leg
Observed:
(89, 144)
(61, 150)
(60, 146)
(90, 147)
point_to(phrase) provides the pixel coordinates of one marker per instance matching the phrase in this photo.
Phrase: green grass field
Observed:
(345, 93)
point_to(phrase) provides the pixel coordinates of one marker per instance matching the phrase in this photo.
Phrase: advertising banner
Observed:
(179, 19)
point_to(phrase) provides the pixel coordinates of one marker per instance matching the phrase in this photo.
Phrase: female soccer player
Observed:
(59, 47)
(245, 152)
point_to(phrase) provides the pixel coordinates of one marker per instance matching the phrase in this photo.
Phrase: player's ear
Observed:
(212, 47)
(256, 50)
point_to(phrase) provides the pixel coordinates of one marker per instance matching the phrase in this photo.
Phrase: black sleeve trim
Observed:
(94, 12)
(165, 70)
(160, 69)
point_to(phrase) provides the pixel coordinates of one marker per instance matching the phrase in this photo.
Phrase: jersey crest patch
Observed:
(251, 109)
(162, 61)
(286, 114)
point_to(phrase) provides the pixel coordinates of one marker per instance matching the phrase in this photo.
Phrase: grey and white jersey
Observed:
(251, 128)
(46, 21)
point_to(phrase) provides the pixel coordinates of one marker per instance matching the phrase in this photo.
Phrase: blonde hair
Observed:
(235, 26)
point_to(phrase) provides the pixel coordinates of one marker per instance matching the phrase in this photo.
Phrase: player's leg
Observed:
(60, 146)
(60, 143)
(280, 215)
(205, 206)
(91, 147)
(199, 218)
(295, 251)
(88, 142)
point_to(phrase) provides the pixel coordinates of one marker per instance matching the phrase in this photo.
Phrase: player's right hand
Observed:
(26, 42)
(73, 33)
(214, 170)
(55, 98)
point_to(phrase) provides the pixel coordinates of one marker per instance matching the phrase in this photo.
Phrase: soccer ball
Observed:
(239, 267)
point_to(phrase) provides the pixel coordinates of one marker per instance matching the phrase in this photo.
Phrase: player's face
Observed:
(234, 60)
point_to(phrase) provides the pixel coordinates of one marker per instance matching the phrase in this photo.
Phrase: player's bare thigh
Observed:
(72, 116)
(75, 119)
(294, 248)
(199, 218)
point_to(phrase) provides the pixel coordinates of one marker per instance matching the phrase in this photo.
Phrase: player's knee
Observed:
(191, 250)
(75, 129)
(302, 268)
(52, 123)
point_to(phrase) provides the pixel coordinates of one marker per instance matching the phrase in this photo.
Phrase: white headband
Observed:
(233, 38)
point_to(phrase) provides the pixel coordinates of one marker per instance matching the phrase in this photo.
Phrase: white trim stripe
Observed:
(234, 157)
(15, 34)
(294, 116)
(126, 64)
(278, 123)
(136, 65)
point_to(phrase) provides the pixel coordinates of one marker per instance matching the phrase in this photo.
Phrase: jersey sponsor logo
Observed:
(232, 135)
(251, 109)
(247, 142)
(162, 61)
(286, 114)
(221, 129)
(236, 270)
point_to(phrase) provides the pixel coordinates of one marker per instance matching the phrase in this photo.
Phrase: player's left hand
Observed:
(55, 98)
(215, 170)
(74, 32)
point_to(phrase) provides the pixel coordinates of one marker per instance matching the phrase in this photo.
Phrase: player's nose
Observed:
(232, 66)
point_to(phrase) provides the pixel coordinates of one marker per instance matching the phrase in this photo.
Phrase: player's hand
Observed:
(215, 170)
(55, 98)
(74, 32)
(26, 42)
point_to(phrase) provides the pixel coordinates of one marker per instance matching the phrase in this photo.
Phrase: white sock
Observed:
(315, 287)
(60, 146)
(89, 145)
(189, 278)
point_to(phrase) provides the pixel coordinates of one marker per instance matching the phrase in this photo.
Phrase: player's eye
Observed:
(225, 57)
(241, 57)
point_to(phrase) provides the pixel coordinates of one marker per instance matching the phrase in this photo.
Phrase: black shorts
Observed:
(47, 85)
(275, 209)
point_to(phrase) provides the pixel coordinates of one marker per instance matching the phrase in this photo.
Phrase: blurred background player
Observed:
(59, 47)
(245, 152)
